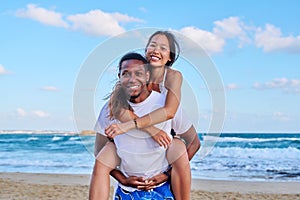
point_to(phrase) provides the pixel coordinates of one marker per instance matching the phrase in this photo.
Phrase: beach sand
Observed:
(63, 187)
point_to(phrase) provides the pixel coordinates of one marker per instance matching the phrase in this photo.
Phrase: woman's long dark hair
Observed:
(118, 100)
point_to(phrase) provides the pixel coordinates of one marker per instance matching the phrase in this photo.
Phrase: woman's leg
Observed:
(181, 174)
(106, 160)
(192, 141)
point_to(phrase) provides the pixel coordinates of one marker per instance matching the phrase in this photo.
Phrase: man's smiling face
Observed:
(133, 78)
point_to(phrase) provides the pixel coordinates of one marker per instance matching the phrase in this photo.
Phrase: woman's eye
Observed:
(164, 48)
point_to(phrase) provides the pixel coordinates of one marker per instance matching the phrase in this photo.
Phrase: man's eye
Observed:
(125, 74)
(138, 74)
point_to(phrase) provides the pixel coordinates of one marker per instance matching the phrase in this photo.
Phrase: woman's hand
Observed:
(162, 139)
(116, 129)
(157, 135)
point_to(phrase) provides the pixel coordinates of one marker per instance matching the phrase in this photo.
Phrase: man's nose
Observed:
(132, 78)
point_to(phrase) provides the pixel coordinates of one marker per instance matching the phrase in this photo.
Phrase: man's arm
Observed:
(139, 182)
(131, 181)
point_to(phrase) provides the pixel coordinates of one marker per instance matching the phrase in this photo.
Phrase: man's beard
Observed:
(132, 98)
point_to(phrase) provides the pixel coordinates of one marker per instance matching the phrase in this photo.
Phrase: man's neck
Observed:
(142, 97)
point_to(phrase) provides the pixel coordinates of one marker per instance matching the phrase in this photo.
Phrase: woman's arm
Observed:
(173, 84)
(158, 135)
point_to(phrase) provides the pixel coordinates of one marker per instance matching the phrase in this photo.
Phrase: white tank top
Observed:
(162, 86)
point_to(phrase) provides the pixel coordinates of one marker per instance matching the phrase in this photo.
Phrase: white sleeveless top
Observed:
(162, 87)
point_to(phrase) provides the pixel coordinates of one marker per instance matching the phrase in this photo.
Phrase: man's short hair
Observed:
(133, 56)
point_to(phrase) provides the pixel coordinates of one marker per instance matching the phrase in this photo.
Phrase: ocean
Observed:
(247, 157)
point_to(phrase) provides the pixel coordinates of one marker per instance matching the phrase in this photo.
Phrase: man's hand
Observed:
(154, 181)
(144, 184)
(134, 181)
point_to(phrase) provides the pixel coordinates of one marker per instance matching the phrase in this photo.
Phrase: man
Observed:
(140, 155)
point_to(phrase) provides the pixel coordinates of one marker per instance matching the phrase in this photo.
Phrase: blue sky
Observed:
(254, 46)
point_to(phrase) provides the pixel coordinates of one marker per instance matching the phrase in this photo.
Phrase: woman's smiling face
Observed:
(158, 50)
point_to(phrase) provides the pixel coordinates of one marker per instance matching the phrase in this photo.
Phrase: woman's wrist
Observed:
(127, 126)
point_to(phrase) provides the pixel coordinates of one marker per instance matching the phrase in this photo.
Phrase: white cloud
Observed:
(123, 18)
(232, 27)
(21, 112)
(49, 88)
(94, 22)
(280, 116)
(275, 83)
(209, 41)
(215, 40)
(295, 82)
(40, 114)
(100, 23)
(143, 9)
(284, 84)
(97, 22)
(270, 39)
(42, 15)
(3, 70)
(232, 86)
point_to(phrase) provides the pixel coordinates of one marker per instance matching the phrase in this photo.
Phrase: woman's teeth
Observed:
(154, 58)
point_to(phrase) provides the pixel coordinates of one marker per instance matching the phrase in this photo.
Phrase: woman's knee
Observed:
(108, 155)
(176, 150)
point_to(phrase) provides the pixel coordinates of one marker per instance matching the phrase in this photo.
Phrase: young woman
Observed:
(161, 52)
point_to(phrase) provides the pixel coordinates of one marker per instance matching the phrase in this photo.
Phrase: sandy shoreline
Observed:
(64, 186)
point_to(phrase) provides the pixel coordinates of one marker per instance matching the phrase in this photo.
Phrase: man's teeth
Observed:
(134, 86)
